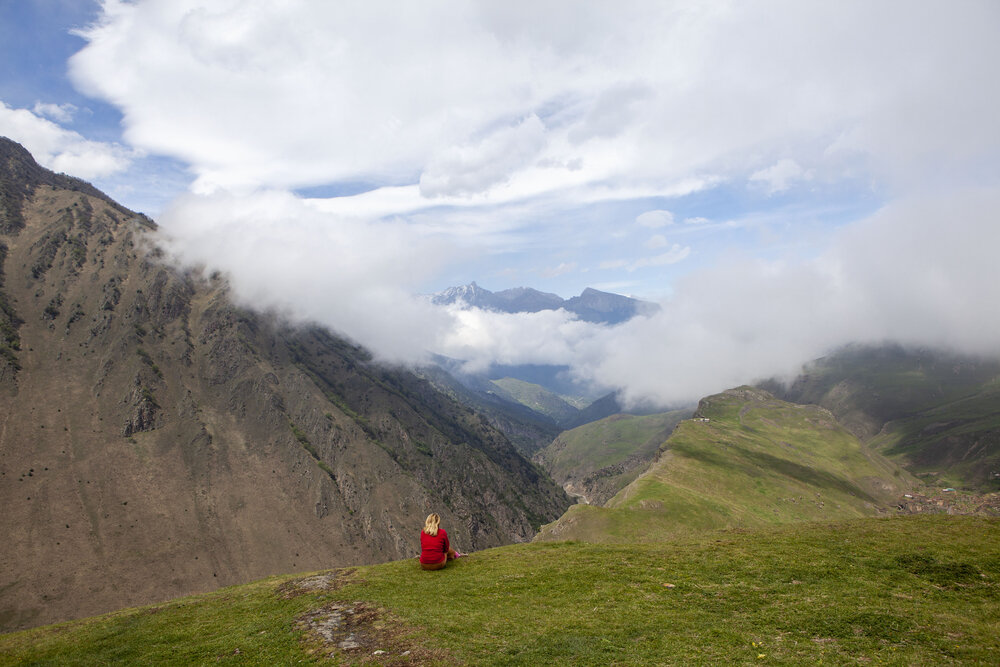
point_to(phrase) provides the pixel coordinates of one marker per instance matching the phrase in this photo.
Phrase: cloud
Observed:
(297, 94)
(891, 276)
(675, 254)
(350, 274)
(60, 149)
(780, 176)
(470, 169)
(60, 113)
(894, 276)
(656, 241)
(483, 127)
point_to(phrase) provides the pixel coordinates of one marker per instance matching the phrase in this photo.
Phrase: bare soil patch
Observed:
(359, 633)
(317, 583)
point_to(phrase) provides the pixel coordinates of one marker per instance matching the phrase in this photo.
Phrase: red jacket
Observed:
(434, 548)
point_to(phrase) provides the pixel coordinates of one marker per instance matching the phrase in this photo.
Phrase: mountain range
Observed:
(156, 439)
(591, 306)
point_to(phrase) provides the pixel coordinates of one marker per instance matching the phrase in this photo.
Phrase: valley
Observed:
(159, 439)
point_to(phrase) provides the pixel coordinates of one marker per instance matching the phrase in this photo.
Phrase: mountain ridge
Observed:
(935, 412)
(591, 305)
(745, 459)
(156, 439)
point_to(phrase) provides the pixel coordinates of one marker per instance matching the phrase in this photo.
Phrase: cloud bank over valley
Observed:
(782, 178)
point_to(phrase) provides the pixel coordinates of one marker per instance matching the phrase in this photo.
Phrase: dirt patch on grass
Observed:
(359, 633)
(318, 583)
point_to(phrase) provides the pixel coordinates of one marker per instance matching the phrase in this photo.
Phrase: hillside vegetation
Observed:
(595, 461)
(956, 444)
(900, 591)
(934, 412)
(746, 460)
(537, 398)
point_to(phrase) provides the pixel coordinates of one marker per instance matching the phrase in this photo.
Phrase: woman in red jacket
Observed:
(435, 550)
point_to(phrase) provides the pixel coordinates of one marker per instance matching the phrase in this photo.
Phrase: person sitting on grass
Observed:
(435, 550)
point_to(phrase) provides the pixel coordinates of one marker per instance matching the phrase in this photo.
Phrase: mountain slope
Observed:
(537, 398)
(156, 439)
(526, 429)
(934, 412)
(745, 460)
(599, 459)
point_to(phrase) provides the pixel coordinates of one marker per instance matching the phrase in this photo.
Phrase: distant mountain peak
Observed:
(592, 305)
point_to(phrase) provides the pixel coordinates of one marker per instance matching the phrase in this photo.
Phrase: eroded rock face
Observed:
(176, 442)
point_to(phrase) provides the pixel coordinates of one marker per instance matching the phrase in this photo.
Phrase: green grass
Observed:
(205, 629)
(537, 398)
(609, 441)
(756, 462)
(959, 440)
(929, 410)
(905, 591)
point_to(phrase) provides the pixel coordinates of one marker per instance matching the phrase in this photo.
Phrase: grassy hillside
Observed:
(956, 444)
(901, 591)
(940, 412)
(746, 460)
(538, 398)
(599, 459)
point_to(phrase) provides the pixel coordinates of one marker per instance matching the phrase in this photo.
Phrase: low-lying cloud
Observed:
(921, 272)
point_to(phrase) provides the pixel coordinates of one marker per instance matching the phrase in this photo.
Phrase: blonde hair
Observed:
(431, 524)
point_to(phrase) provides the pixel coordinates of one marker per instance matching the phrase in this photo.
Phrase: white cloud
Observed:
(655, 219)
(675, 254)
(895, 276)
(60, 113)
(60, 149)
(350, 274)
(613, 264)
(780, 176)
(293, 94)
(472, 118)
(475, 168)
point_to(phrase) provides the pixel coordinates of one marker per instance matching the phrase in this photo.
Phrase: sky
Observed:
(783, 177)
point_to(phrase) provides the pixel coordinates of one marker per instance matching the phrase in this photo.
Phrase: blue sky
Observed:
(366, 152)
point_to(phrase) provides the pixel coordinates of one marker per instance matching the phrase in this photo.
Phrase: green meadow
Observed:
(749, 460)
(917, 590)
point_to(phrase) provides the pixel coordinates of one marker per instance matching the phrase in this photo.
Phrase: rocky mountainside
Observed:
(591, 306)
(526, 429)
(157, 440)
